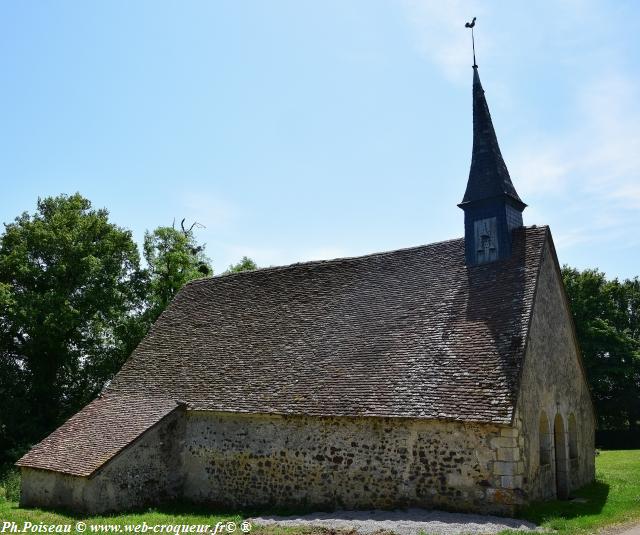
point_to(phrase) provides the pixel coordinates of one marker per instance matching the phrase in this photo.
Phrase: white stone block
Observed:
(508, 454)
(504, 442)
(504, 468)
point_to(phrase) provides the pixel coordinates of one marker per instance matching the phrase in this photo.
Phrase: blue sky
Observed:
(303, 130)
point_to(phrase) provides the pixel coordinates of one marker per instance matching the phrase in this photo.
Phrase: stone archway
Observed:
(560, 447)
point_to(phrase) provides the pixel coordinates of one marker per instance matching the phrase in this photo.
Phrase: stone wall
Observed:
(553, 384)
(237, 460)
(147, 472)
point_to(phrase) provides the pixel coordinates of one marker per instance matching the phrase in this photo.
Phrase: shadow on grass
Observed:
(595, 495)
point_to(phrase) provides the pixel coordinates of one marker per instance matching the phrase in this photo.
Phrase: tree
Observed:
(245, 264)
(69, 291)
(173, 259)
(13, 425)
(607, 318)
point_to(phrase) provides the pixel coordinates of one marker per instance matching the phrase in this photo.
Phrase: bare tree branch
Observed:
(195, 224)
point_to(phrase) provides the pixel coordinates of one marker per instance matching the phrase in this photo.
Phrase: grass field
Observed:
(612, 500)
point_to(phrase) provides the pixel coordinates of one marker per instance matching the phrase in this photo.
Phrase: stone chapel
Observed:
(442, 376)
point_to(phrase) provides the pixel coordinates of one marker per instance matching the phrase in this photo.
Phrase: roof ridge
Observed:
(333, 260)
(323, 262)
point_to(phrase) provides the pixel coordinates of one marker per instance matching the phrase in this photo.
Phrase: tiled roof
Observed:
(410, 333)
(96, 434)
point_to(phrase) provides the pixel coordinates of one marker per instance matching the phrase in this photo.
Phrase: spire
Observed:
(492, 207)
(488, 176)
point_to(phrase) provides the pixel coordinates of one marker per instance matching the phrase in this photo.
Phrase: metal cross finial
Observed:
(473, 43)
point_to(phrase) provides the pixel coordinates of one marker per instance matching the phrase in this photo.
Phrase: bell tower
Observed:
(492, 207)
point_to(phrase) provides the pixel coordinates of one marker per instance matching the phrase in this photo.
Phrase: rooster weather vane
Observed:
(473, 43)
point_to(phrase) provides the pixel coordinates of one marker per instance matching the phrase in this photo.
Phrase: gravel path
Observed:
(407, 522)
(631, 530)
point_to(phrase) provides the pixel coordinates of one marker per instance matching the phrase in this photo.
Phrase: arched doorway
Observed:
(560, 443)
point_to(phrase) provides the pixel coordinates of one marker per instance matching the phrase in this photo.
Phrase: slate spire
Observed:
(488, 176)
(492, 207)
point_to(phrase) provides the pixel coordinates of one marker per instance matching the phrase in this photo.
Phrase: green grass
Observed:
(613, 499)
(11, 511)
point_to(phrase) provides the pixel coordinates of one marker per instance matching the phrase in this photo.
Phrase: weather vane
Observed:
(473, 43)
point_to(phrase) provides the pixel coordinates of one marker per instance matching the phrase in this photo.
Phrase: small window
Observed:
(573, 438)
(545, 440)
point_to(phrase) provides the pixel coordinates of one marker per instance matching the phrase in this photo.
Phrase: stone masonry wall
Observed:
(237, 460)
(147, 472)
(553, 384)
(248, 460)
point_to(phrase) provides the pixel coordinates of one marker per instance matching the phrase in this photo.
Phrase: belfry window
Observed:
(486, 240)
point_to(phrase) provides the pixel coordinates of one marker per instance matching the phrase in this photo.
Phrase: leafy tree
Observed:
(13, 399)
(69, 292)
(245, 264)
(173, 259)
(607, 319)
